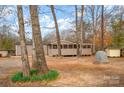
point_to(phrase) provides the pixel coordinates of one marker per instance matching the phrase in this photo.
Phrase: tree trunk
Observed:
(93, 46)
(24, 54)
(81, 29)
(76, 22)
(102, 28)
(57, 31)
(37, 38)
(34, 58)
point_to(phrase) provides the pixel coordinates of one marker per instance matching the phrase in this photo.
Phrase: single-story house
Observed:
(67, 48)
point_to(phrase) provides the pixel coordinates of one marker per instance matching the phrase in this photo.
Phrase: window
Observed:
(75, 46)
(61, 46)
(50, 46)
(65, 46)
(84, 46)
(88, 46)
(54, 46)
(70, 46)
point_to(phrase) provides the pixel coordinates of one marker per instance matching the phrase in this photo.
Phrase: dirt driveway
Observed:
(73, 72)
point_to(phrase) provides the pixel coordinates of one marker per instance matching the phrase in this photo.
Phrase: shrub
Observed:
(24, 79)
(36, 78)
(33, 72)
(17, 76)
(51, 75)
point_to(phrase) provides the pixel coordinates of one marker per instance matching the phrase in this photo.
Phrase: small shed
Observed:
(3, 53)
(7, 52)
(113, 52)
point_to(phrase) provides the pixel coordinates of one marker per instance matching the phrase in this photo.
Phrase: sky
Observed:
(65, 15)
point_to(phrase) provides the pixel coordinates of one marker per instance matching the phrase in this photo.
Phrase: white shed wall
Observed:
(4, 53)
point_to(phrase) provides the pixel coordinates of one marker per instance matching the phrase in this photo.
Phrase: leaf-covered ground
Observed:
(73, 72)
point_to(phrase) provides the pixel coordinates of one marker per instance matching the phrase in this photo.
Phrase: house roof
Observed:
(68, 42)
(27, 43)
(63, 42)
(55, 42)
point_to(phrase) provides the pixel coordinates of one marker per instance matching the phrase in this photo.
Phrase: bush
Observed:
(24, 79)
(17, 76)
(51, 75)
(33, 72)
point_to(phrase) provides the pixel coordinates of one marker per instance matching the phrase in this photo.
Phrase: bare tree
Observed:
(57, 30)
(24, 54)
(76, 24)
(93, 20)
(41, 61)
(34, 57)
(81, 29)
(102, 27)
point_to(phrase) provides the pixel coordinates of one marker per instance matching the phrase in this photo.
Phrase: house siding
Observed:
(29, 50)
